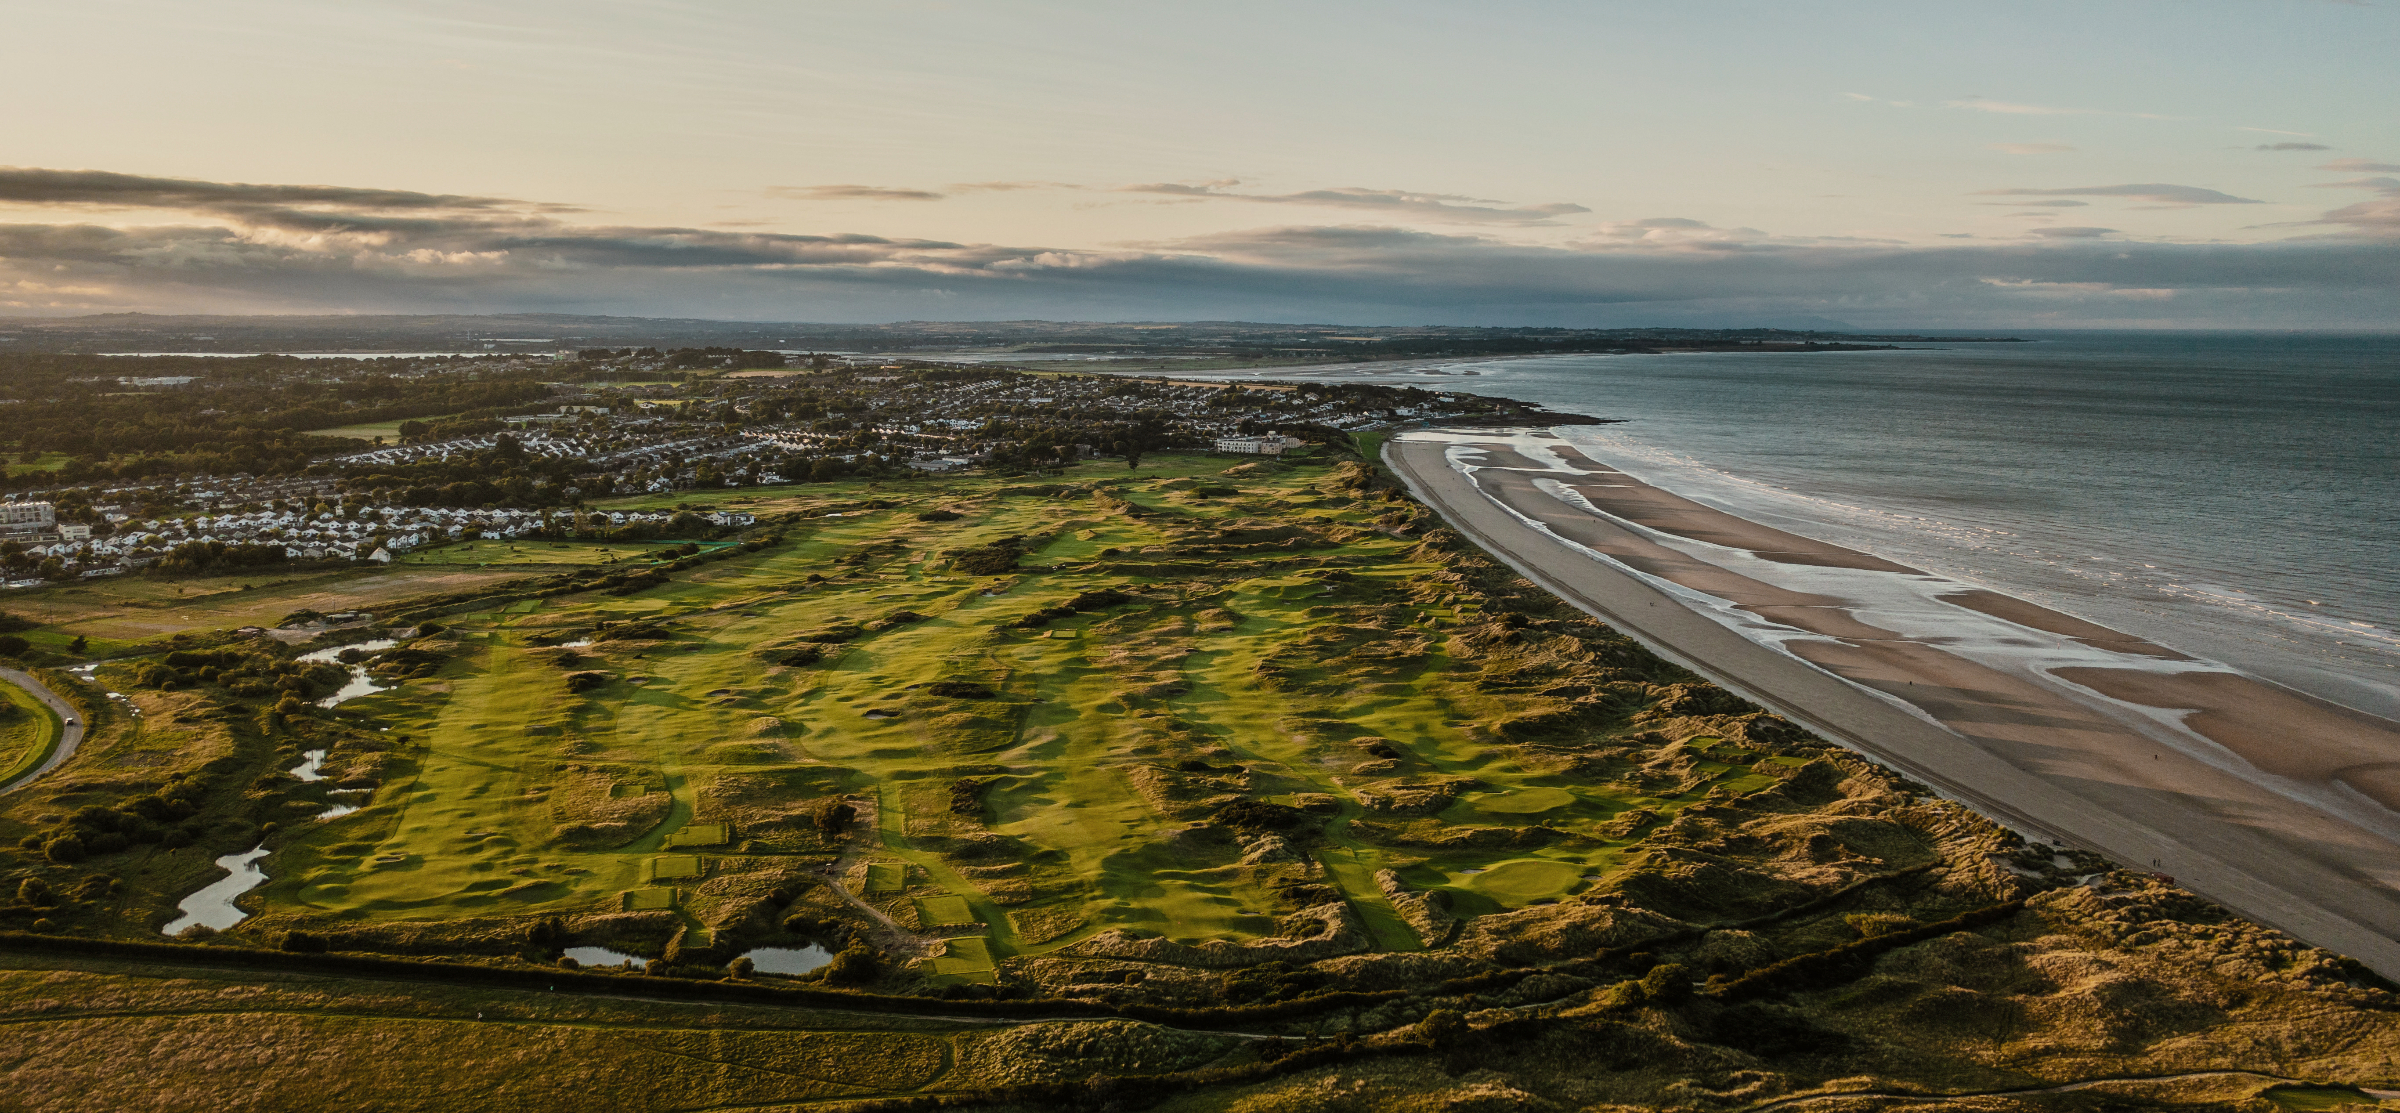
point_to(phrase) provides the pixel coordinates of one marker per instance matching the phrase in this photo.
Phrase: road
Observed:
(2249, 866)
(66, 714)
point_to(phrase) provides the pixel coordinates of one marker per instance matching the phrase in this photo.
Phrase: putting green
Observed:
(699, 834)
(944, 911)
(1524, 801)
(1521, 882)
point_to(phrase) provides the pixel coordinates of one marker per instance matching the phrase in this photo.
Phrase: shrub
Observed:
(988, 560)
(36, 892)
(940, 516)
(856, 965)
(740, 968)
(303, 943)
(586, 681)
(13, 646)
(958, 689)
(1667, 983)
(833, 816)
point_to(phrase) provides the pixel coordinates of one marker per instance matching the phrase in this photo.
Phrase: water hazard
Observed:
(360, 683)
(213, 906)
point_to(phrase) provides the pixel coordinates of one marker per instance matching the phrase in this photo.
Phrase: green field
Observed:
(48, 461)
(1269, 647)
(29, 730)
(388, 430)
(503, 554)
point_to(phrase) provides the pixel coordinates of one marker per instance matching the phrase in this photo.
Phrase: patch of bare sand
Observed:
(2283, 732)
(2009, 609)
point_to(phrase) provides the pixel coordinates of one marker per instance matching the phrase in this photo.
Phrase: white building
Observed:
(1273, 444)
(26, 519)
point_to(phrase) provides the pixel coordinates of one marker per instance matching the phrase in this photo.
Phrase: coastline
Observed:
(2063, 728)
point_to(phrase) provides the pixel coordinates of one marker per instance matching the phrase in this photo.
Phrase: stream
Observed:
(360, 684)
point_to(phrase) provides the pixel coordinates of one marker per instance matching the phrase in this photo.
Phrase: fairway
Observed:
(1050, 750)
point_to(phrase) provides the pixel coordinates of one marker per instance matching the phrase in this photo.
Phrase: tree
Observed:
(79, 646)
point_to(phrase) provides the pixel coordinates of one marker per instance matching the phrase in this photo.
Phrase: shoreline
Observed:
(2063, 728)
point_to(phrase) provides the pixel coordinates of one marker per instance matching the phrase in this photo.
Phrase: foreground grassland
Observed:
(1312, 806)
(28, 729)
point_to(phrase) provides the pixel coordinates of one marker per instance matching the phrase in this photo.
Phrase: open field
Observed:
(497, 553)
(389, 431)
(116, 613)
(48, 461)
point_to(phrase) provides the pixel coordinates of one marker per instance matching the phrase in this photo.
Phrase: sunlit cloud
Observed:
(2360, 166)
(1446, 208)
(396, 252)
(851, 193)
(2159, 192)
(2013, 108)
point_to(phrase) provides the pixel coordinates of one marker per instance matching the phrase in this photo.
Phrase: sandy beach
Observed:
(2279, 805)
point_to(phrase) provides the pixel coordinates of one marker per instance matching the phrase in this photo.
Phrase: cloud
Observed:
(2056, 203)
(2293, 147)
(850, 193)
(27, 185)
(2378, 217)
(2032, 148)
(1006, 187)
(1448, 208)
(2279, 131)
(472, 257)
(2360, 165)
(2159, 192)
(2011, 108)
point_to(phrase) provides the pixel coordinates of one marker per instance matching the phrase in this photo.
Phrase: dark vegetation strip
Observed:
(1819, 969)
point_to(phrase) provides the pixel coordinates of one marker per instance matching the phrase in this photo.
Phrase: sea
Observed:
(2235, 496)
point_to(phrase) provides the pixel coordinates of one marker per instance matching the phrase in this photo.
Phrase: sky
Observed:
(1919, 164)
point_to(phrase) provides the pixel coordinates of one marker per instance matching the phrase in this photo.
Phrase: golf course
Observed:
(1039, 751)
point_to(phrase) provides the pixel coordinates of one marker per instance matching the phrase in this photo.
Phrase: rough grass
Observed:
(28, 730)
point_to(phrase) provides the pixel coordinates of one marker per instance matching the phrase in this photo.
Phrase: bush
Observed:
(13, 646)
(303, 943)
(36, 892)
(940, 516)
(586, 681)
(1667, 983)
(833, 816)
(740, 968)
(988, 560)
(858, 964)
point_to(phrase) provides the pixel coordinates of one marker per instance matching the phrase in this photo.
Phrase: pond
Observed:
(602, 956)
(360, 684)
(788, 960)
(213, 906)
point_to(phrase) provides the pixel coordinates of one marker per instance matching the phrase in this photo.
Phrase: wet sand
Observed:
(2281, 806)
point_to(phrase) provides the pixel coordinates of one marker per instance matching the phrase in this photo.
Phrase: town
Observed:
(574, 427)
